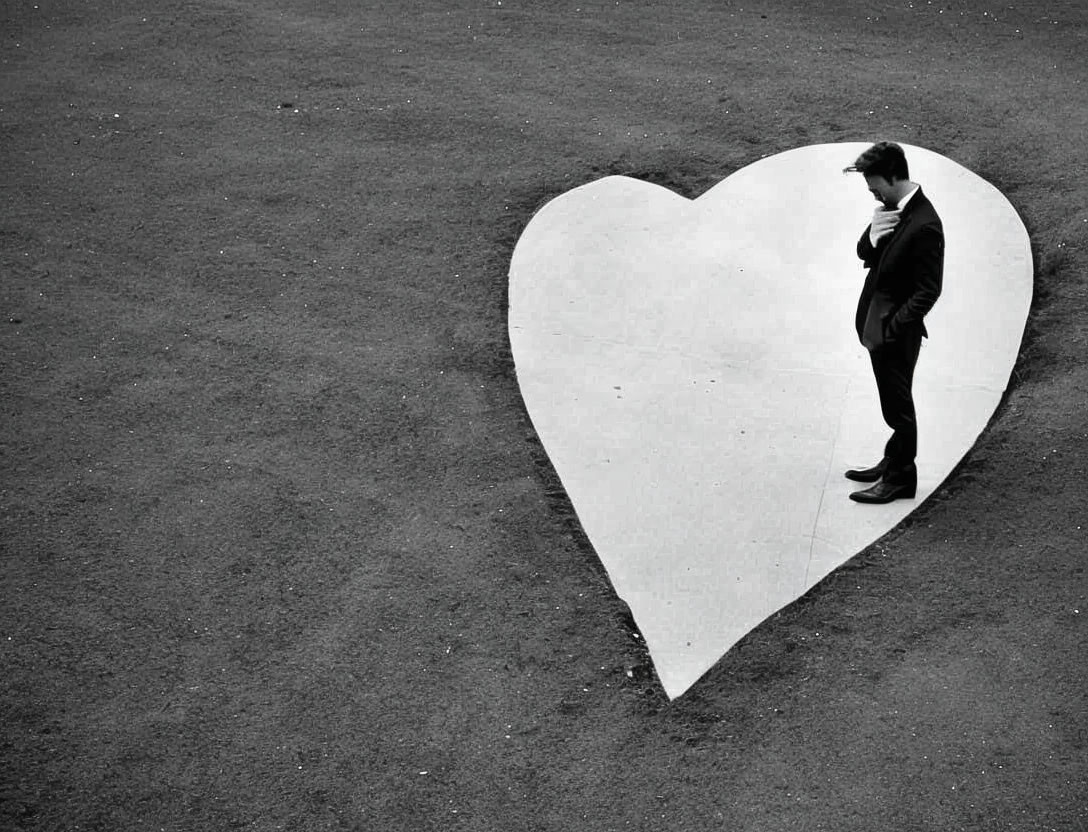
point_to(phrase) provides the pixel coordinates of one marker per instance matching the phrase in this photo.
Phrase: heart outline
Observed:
(563, 314)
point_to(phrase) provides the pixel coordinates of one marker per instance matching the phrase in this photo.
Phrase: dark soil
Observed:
(280, 548)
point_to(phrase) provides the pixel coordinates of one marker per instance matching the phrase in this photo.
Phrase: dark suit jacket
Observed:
(904, 279)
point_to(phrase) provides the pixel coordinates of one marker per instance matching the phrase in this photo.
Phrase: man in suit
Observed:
(903, 249)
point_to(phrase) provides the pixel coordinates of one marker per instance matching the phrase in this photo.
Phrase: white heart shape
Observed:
(692, 370)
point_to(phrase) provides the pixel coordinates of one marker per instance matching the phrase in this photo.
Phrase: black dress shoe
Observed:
(868, 474)
(884, 492)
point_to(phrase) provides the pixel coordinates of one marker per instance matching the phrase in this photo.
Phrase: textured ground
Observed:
(280, 550)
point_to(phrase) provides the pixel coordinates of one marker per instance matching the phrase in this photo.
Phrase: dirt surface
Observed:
(280, 548)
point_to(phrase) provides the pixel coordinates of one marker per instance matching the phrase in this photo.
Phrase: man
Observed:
(903, 249)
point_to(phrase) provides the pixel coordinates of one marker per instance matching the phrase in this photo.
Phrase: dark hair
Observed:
(882, 159)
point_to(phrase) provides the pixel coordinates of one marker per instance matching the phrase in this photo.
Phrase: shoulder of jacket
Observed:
(925, 215)
(926, 209)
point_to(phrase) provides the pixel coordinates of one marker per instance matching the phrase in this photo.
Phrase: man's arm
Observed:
(926, 254)
(866, 249)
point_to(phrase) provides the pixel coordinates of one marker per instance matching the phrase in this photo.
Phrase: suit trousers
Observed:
(893, 367)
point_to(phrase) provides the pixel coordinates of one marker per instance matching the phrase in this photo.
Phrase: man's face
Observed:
(881, 189)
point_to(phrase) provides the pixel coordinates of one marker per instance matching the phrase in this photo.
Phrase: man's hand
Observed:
(884, 222)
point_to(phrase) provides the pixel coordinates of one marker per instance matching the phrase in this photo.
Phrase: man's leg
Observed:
(893, 368)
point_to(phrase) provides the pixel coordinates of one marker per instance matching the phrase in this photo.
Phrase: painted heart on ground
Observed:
(692, 370)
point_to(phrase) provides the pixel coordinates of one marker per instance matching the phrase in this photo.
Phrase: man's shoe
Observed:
(884, 492)
(868, 474)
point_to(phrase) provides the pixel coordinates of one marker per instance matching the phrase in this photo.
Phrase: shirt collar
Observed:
(907, 198)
